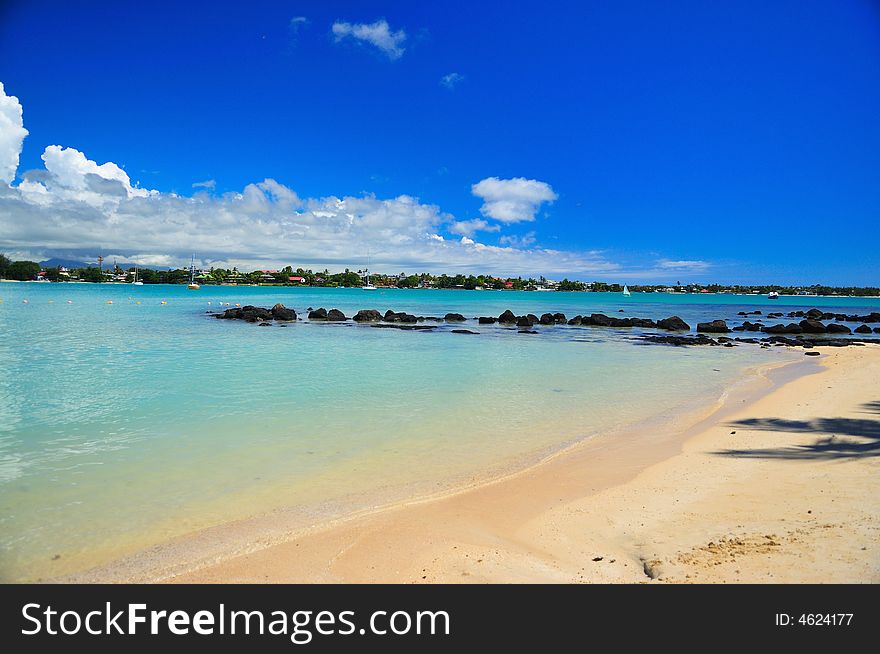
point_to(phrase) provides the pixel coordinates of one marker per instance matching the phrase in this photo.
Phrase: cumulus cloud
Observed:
(208, 184)
(450, 80)
(512, 200)
(378, 34)
(74, 207)
(12, 133)
(471, 227)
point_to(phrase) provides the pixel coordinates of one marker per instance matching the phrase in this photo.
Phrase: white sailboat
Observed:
(368, 286)
(136, 282)
(626, 290)
(192, 274)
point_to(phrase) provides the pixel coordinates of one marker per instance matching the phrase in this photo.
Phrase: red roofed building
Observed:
(301, 280)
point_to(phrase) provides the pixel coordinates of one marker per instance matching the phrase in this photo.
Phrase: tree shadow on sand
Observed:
(841, 438)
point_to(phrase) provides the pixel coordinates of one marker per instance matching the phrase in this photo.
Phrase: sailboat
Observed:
(626, 290)
(368, 286)
(192, 275)
(136, 282)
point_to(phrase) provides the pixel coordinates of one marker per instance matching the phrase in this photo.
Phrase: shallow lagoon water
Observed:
(128, 424)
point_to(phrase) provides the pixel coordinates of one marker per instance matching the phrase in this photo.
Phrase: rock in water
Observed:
(863, 329)
(674, 324)
(281, 312)
(367, 315)
(454, 317)
(507, 317)
(837, 328)
(714, 327)
(812, 326)
(336, 315)
(318, 314)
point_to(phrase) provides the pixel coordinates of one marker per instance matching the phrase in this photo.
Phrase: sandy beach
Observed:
(778, 484)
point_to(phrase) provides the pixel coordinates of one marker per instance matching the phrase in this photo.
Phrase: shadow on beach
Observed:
(841, 438)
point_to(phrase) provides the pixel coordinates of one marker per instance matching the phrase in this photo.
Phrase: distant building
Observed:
(297, 279)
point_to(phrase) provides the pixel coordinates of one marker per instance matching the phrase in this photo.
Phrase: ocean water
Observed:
(128, 424)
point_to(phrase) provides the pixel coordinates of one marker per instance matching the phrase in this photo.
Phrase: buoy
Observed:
(25, 302)
(237, 304)
(138, 302)
(109, 301)
(163, 302)
(70, 302)
(51, 301)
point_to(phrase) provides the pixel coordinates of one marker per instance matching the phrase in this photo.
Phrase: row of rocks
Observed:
(702, 339)
(251, 313)
(805, 326)
(818, 314)
(673, 323)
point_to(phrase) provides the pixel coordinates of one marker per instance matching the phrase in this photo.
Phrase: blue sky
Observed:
(708, 141)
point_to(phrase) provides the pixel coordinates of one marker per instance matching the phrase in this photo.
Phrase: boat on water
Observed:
(136, 282)
(367, 285)
(626, 290)
(772, 295)
(192, 275)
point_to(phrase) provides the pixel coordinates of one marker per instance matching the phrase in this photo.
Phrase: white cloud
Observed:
(450, 80)
(470, 227)
(524, 241)
(512, 200)
(74, 207)
(378, 34)
(692, 265)
(12, 133)
(208, 184)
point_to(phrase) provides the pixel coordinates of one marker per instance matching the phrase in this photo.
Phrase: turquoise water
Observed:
(126, 425)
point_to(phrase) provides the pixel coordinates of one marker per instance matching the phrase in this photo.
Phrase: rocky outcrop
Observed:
(749, 327)
(673, 324)
(401, 316)
(714, 327)
(281, 312)
(367, 315)
(559, 318)
(318, 314)
(523, 321)
(547, 319)
(812, 326)
(247, 313)
(463, 331)
(862, 329)
(335, 315)
(487, 320)
(507, 317)
(837, 328)
(454, 317)
(790, 328)
(576, 320)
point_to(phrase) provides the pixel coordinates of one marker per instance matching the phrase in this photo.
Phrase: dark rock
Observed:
(523, 321)
(318, 314)
(811, 354)
(454, 317)
(790, 328)
(699, 339)
(367, 315)
(877, 330)
(575, 321)
(265, 324)
(559, 318)
(532, 318)
(507, 317)
(862, 329)
(527, 331)
(837, 328)
(463, 331)
(336, 315)
(673, 324)
(403, 326)
(714, 327)
(547, 319)
(814, 314)
(600, 320)
(281, 312)
(486, 320)
(401, 316)
(812, 326)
